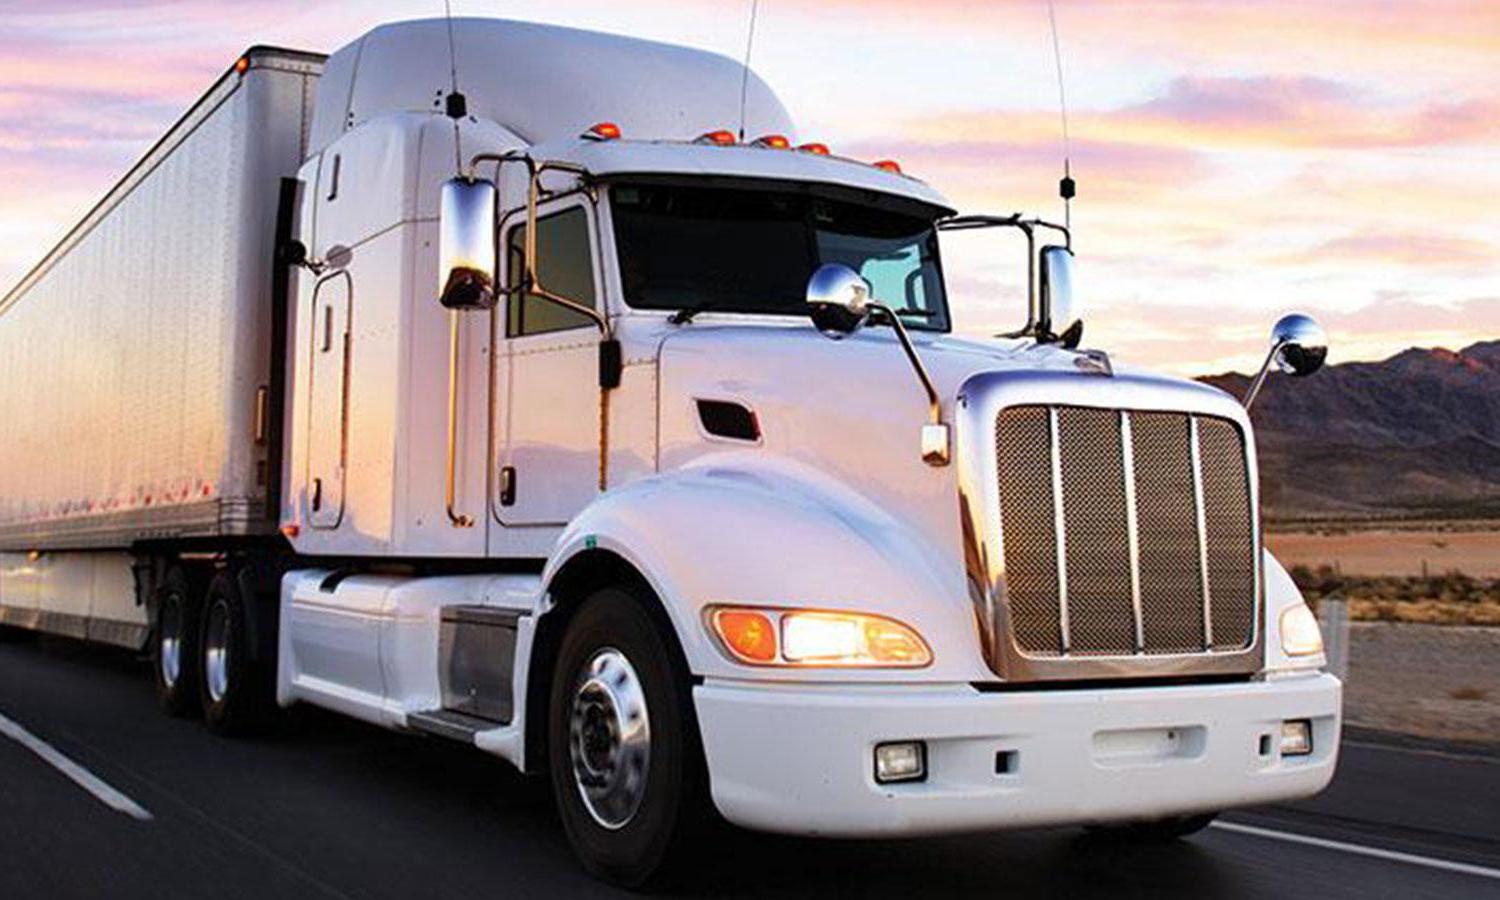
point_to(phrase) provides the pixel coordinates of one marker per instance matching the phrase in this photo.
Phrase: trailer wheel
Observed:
(236, 694)
(175, 644)
(1159, 831)
(626, 765)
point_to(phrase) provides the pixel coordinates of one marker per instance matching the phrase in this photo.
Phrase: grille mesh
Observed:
(1229, 531)
(1082, 600)
(1097, 537)
(1171, 583)
(1023, 437)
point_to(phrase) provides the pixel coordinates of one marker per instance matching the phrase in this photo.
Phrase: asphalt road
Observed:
(333, 808)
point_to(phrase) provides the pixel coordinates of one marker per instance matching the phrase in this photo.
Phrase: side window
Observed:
(565, 262)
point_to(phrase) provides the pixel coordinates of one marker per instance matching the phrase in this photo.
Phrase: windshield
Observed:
(752, 250)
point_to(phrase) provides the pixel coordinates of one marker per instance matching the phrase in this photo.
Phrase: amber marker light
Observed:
(772, 142)
(808, 638)
(888, 165)
(748, 634)
(720, 138)
(242, 65)
(814, 148)
(603, 131)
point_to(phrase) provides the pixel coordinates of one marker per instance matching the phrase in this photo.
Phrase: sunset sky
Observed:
(1235, 159)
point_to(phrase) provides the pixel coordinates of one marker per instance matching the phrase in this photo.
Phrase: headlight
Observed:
(1299, 632)
(780, 637)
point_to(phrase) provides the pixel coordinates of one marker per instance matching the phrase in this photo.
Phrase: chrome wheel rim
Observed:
(609, 734)
(216, 652)
(170, 657)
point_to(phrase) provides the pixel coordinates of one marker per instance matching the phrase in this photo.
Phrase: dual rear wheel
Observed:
(203, 660)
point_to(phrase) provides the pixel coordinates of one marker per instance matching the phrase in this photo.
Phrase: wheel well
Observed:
(580, 577)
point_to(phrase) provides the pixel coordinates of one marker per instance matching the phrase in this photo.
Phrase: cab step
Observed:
(446, 723)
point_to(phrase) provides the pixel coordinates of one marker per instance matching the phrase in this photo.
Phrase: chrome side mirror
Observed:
(838, 300)
(1061, 318)
(466, 244)
(1299, 345)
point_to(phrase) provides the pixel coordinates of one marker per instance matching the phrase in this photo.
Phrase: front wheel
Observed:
(626, 765)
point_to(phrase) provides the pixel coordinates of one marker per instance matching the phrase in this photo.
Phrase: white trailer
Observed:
(496, 390)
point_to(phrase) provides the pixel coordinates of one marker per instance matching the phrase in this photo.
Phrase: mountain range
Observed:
(1414, 435)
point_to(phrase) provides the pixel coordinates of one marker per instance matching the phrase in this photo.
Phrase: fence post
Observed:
(1334, 612)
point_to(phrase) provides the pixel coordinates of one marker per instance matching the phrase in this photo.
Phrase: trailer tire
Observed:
(235, 692)
(1159, 831)
(174, 644)
(619, 678)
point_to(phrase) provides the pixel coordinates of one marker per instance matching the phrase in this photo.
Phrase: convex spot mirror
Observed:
(1300, 345)
(466, 244)
(1061, 317)
(838, 300)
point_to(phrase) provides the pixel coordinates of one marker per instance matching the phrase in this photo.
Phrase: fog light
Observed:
(904, 761)
(1296, 737)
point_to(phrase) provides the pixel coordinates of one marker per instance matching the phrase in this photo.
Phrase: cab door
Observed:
(550, 401)
(328, 414)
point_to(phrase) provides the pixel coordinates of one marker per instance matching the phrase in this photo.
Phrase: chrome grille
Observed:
(1125, 532)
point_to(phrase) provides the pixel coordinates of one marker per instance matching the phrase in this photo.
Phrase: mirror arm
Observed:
(1260, 377)
(935, 440)
(455, 518)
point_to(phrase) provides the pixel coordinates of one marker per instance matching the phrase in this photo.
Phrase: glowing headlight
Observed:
(778, 637)
(1299, 632)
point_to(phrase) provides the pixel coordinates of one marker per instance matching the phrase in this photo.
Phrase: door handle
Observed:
(455, 518)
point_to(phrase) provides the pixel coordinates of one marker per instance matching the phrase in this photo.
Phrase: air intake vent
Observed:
(728, 420)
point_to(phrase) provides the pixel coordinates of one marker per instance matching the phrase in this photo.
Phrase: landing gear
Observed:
(626, 765)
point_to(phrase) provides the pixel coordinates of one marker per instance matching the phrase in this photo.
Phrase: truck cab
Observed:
(692, 392)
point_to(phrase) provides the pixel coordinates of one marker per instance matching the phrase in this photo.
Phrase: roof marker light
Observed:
(814, 148)
(888, 165)
(242, 64)
(602, 131)
(772, 142)
(720, 138)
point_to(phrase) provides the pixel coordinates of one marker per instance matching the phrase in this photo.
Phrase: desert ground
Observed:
(1431, 549)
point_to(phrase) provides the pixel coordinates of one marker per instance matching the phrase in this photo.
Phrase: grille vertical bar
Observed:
(1125, 532)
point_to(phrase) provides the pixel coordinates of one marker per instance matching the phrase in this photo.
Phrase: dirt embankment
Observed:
(1432, 682)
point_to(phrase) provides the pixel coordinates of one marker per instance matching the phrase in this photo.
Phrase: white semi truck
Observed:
(493, 383)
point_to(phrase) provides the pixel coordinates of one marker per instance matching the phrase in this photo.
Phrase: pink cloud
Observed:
(1405, 248)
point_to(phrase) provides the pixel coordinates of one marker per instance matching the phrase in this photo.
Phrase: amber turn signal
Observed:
(748, 634)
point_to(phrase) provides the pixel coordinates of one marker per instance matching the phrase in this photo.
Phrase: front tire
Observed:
(175, 644)
(236, 694)
(626, 765)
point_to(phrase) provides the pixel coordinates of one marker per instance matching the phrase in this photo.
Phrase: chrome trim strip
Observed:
(1060, 525)
(1208, 599)
(1132, 527)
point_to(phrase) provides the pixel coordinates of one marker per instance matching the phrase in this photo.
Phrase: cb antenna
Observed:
(745, 75)
(1066, 188)
(456, 106)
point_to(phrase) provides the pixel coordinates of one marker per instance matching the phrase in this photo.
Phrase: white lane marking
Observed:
(80, 776)
(1361, 850)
